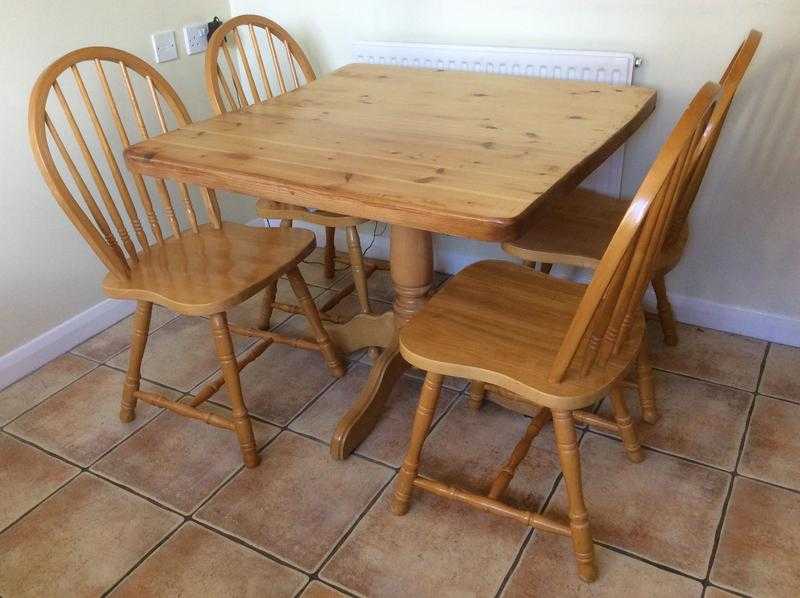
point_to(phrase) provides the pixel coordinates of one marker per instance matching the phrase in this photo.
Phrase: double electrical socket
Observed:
(194, 37)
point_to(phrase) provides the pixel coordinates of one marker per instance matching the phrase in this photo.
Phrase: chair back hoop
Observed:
(102, 223)
(251, 59)
(611, 302)
(731, 78)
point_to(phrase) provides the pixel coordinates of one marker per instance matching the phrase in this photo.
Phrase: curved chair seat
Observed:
(576, 229)
(269, 209)
(207, 272)
(503, 324)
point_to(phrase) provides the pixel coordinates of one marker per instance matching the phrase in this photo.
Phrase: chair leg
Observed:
(330, 251)
(329, 350)
(477, 392)
(665, 310)
(357, 267)
(567, 444)
(630, 439)
(141, 326)
(230, 371)
(529, 264)
(546, 267)
(266, 307)
(645, 385)
(428, 398)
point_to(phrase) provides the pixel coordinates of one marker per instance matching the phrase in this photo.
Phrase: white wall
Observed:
(745, 248)
(47, 272)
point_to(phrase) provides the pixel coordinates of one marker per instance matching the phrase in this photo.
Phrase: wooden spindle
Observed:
(261, 66)
(237, 84)
(291, 64)
(246, 64)
(275, 61)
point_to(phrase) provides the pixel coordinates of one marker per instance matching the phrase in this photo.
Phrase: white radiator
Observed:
(605, 67)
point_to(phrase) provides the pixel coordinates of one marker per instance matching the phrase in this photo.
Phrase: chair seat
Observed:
(502, 323)
(210, 271)
(576, 229)
(269, 209)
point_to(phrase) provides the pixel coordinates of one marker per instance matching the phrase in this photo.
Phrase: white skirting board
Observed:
(451, 254)
(47, 346)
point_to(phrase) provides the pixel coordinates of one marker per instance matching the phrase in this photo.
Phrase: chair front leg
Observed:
(266, 307)
(569, 456)
(429, 397)
(646, 386)
(141, 326)
(477, 393)
(665, 315)
(230, 371)
(357, 267)
(329, 351)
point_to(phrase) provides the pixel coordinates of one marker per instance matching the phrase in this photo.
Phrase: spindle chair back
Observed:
(613, 298)
(271, 61)
(102, 217)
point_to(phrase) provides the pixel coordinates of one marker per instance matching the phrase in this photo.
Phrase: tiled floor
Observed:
(162, 506)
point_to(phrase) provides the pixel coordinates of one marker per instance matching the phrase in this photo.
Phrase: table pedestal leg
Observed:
(411, 259)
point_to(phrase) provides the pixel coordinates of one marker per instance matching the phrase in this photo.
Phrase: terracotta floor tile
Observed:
(313, 270)
(547, 569)
(760, 541)
(664, 509)
(37, 386)
(27, 476)
(178, 461)
(389, 439)
(781, 376)
(197, 562)
(714, 592)
(298, 503)
(118, 337)
(772, 447)
(181, 353)
(80, 541)
(709, 354)
(81, 422)
(283, 380)
(317, 589)
(699, 420)
(440, 548)
(468, 448)
(350, 306)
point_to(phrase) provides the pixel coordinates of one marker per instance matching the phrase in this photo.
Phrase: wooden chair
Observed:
(198, 269)
(575, 230)
(274, 63)
(552, 343)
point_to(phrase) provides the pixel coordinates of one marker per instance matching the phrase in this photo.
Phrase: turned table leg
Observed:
(411, 259)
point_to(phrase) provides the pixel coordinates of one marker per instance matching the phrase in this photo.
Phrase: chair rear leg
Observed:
(428, 398)
(141, 326)
(645, 385)
(665, 314)
(546, 267)
(568, 454)
(477, 393)
(330, 252)
(230, 370)
(630, 439)
(266, 307)
(357, 267)
(329, 351)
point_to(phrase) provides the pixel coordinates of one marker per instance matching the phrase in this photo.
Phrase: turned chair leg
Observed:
(357, 266)
(329, 351)
(567, 444)
(477, 392)
(630, 439)
(141, 326)
(665, 314)
(645, 385)
(266, 306)
(330, 251)
(546, 267)
(428, 398)
(230, 370)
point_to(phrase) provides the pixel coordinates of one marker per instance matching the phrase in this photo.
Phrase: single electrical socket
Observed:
(194, 36)
(164, 46)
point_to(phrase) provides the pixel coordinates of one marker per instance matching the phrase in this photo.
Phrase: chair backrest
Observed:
(271, 60)
(56, 99)
(613, 298)
(729, 82)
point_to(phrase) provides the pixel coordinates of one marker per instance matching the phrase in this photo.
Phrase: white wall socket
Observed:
(164, 46)
(194, 36)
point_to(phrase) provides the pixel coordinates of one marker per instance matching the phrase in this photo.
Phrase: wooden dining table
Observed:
(426, 151)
